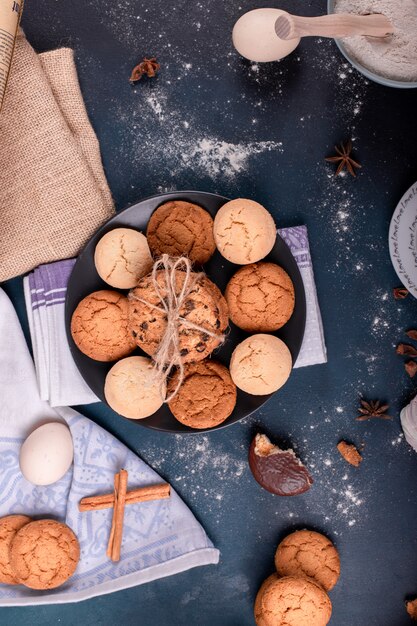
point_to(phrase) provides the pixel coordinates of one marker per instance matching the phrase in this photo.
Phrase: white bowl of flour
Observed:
(391, 61)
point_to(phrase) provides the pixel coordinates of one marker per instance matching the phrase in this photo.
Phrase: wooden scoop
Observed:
(338, 25)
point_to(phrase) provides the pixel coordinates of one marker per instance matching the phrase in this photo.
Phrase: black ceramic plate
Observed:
(84, 280)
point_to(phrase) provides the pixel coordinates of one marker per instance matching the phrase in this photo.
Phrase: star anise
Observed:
(148, 66)
(371, 409)
(344, 159)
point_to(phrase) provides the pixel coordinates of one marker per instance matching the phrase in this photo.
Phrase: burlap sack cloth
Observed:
(53, 191)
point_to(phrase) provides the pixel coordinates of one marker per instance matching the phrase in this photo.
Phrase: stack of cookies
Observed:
(109, 325)
(308, 566)
(41, 554)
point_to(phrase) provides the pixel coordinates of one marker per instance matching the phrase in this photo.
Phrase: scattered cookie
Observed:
(260, 297)
(99, 326)
(350, 453)
(206, 397)
(204, 306)
(244, 231)
(278, 471)
(291, 601)
(44, 554)
(260, 364)
(309, 554)
(129, 389)
(9, 526)
(122, 257)
(411, 607)
(181, 228)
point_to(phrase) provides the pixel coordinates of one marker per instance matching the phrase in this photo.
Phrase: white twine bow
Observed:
(168, 355)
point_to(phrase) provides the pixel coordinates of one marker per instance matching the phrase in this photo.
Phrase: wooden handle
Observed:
(336, 25)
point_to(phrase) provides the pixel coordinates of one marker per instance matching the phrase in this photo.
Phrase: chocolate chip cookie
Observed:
(9, 526)
(206, 397)
(291, 601)
(307, 553)
(44, 554)
(261, 297)
(181, 228)
(99, 326)
(204, 306)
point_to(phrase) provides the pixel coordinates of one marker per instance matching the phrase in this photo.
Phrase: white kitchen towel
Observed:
(59, 380)
(160, 538)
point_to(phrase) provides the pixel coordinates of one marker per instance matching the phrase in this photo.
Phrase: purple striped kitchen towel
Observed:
(59, 381)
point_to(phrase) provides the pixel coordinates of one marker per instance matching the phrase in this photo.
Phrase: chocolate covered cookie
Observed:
(204, 306)
(206, 397)
(278, 471)
(291, 601)
(99, 326)
(309, 554)
(181, 228)
(44, 554)
(260, 297)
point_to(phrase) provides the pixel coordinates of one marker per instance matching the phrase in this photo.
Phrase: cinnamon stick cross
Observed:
(118, 500)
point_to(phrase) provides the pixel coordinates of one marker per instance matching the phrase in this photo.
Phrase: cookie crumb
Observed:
(350, 453)
(411, 607)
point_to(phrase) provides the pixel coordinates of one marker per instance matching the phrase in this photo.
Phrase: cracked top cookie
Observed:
(204, 306)
(260, 297)
(291, 601)
(206, 397)
(9, 526)
(44, 554)
(260, 364)
(99, 326)
(244, 231)
(181, 228)
(307, 553)
(122, 257)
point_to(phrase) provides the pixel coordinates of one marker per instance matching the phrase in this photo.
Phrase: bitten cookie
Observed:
(130, 390)
(260, 297)
(291, 601)
(44, 554)
(99, 326)
(204, 307)
(206, 397)
(260, 364)
(181, 228)
(9, 526)
(244, 231)
(309, 554)
(122, 257)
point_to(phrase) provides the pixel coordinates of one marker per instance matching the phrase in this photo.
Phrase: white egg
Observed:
(46, 455)
(254, 36)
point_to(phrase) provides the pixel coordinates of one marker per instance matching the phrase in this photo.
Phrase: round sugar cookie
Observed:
(260, 364)
(9, 526)
(99, 326)
(309, 554)
(291, 601)
(130, 390)
(44, 554)
(244, 231)
(122, 257)
(260, 297)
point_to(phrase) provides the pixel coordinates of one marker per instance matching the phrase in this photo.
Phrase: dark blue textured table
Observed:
(176, 132)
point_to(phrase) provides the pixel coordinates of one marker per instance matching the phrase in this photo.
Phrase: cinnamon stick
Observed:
(109, 550)
(142, 494)
(119, 514)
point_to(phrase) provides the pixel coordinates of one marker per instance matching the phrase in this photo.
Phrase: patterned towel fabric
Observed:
(59, 380)
(160, 538)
